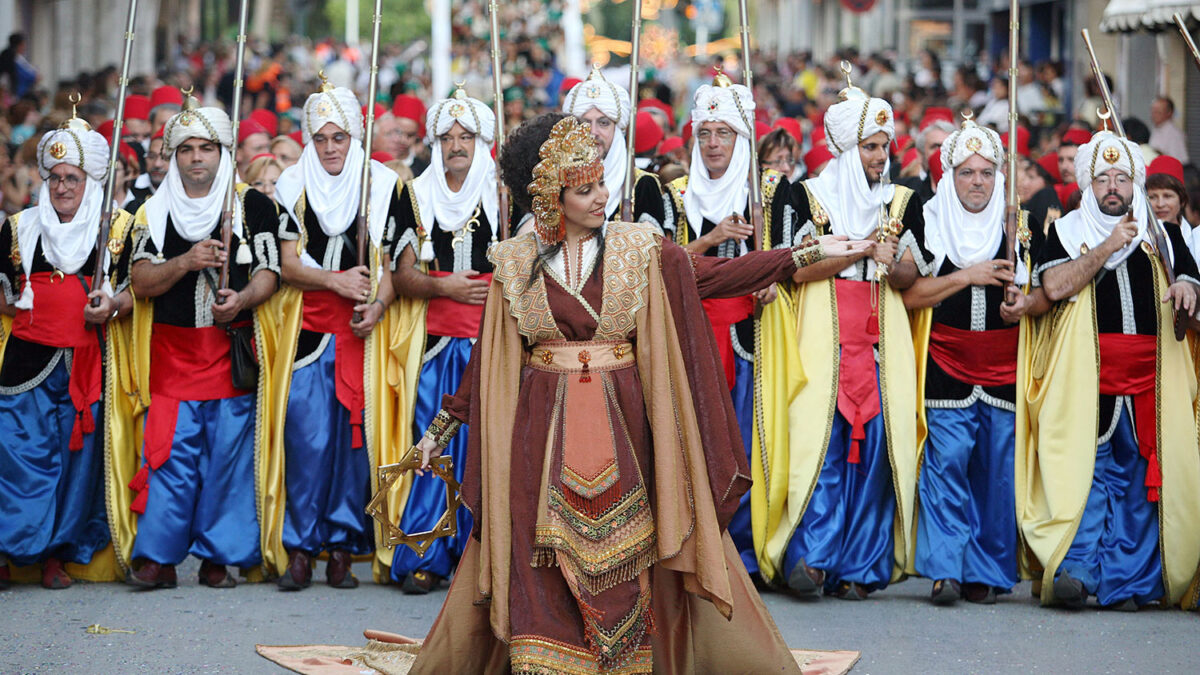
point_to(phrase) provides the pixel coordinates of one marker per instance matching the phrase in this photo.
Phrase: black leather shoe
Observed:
(1070, 591)
(945, 592)
(337, 570)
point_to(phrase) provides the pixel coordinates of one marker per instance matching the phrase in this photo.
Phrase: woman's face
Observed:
(266, 182)
(583, 206)
(1165, 203)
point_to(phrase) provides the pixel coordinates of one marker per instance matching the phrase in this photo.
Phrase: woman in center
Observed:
(604, 461)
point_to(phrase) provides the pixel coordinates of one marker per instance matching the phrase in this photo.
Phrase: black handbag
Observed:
(243, 360)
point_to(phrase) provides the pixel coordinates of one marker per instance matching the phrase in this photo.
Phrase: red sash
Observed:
(450, 318)
(723, 313)
(858, 390)
(985, 358)
(186, 364)
(327, 312)
(56, 320)
(1128, 368)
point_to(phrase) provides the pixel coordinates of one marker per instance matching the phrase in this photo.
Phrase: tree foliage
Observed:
(403, 20)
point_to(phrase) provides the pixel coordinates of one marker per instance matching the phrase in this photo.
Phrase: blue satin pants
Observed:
(202, 499)
(51, 499)
(743, 406)
(327, 479)
(427, 498)
(847, 528)
(1115, 551)
(967, 519)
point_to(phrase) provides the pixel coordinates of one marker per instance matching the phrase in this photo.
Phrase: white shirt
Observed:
(1169, 140)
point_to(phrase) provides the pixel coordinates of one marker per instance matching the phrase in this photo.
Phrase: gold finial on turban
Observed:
(721, 79)
(75, 122)
(325, 85)
(1104, 115)
(851, 91)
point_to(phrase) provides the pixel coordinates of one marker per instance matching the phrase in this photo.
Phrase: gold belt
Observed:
(581, 357)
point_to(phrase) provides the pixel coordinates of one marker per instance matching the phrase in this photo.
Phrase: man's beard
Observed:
(1113, 210)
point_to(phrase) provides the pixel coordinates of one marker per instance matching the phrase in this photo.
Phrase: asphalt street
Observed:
(193, 629)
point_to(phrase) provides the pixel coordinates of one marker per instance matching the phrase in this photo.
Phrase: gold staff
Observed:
(1187, 38)
(364, 191)
(634, 58)
(1012, 215)
(756, 205)
(498, 107)
(239, 71)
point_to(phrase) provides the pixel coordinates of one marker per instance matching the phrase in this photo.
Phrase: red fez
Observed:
(1168, 165)
(687, 133)
(268, 120)
(409, 107)
(382, 157)
(1076, 136)
(380, 110)
(909, 157)
(649, 133)
(1049, 162)
(248, 128)
(1065, 192)
(790, 125)
(568, 83)
(934, 114)
(260, 156)
(815, 159)
(129, 154)
(298, 136)
(818, 134)
(670, 145)
(1022, 141)
(137, 108)
(159, 133)
(903, 141)
(761, 129)
(659, 105)
(106, 130)
(165, 95)
(935, 166)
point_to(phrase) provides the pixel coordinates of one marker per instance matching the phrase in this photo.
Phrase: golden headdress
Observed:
(570, 157)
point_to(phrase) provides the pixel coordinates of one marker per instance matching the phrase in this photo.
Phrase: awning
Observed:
(1126, 16)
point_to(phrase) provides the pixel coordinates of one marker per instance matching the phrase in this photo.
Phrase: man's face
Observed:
(410, 135)
(1066, 162)
(198, 160)
(603, 128)
(458, 149)
(933, 141)
(716, 141)
(387, 136)
(873, 153)
(66, 185)
(1029, 182)
(157, 161)
(135, 131)
(160, 115)
(332, 145)
(253, 146)
(286, 153)
(1159, 112)
(974, 181)
(1114, 192)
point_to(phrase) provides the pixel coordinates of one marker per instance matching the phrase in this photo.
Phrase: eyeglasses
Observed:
(1104, 181)
(782, 165)
(69, 182)
(725, 136)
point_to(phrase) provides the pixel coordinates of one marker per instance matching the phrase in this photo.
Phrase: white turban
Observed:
(717, 103)
(211, 124)
(951, 231)
(711, 198)
(436, 202)
(600, 93)
(332, 104)
(847, 124)
(67, 245)
(76, 144)
(1088, 225)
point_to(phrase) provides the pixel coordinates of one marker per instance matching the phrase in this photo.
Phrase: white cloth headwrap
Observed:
(600, 93)
(193, 218)
(211, 124)
(717, 199)
(855, 208)
(66, 246)
(338, 105)
(1088, 224)
(436, 202)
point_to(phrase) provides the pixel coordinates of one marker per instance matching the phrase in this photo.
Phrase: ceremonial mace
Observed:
(364, 191)
(498, 108)
(107, 211)
(231, 191)
(1012, 215)
(756, 205)
(1187, 38)
(1157, 232)
(634, 57)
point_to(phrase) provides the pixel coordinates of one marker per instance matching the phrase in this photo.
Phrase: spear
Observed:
(1187, 38)
(364, 193)
(1013, 211)
(631, 169)
(107, 212)
(756, 205)
(498, 107)
(1155, 227)
(231, 191)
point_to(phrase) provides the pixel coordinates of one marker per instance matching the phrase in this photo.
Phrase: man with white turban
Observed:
(837, 509)
(605, 107)
(449, 218)
(197, 488)
(1109, 503)
(967, 524)
(50, 362)
(709, 214)
(328, 461)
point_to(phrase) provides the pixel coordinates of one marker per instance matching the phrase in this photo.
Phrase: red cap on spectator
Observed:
(903, 141)
(1065, 192)
(935, 166)
(106, 130)
(137, 108)
(790, 125)
(934, 114)
(298, 136)
(815, 159)
(260, 156)
(1022, 141)
(659, 105)
(1076, 136)
(687, 133)
(670, 145)
(1166, 164)
(567, 83)
(910, 156)
(382, 157)
(380, 110)
(129, 154)
(268, 120)
(818, 134)
(409, 107)
(248, 128)
(1049, 162)
(761, 129)
(649, 133)
(159, 133)
(164, 95)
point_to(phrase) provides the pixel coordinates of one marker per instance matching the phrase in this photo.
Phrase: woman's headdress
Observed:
(570, 157)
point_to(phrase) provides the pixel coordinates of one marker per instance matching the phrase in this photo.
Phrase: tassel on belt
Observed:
(581, 357)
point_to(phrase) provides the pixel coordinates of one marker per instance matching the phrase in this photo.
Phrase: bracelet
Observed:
(380, 303)
(808, 253)
(442, 429)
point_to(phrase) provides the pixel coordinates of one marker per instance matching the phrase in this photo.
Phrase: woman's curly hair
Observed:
(519, 155)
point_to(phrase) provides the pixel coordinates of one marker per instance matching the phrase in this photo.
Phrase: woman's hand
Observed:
(839, 246)
(429, 450)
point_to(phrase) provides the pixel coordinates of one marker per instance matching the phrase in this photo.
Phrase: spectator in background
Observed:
(286, 150)
(1137, 132)
(995, 111)
(15, 69)
(777, 150)
(1166, 137)
(262, 172)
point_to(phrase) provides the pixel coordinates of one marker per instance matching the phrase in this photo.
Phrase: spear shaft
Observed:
(756, 203)
(498, 108)
(631, 132)
(239, 72)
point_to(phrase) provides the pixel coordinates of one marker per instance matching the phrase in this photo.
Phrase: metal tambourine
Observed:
(379, 506)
